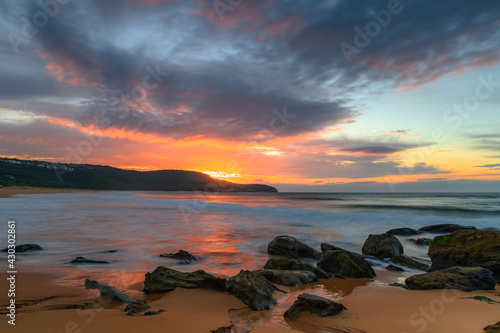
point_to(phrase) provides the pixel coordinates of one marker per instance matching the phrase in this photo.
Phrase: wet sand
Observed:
(46, 303)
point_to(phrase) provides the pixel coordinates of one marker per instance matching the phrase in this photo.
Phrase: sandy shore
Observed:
(5, 191)
(44, 305)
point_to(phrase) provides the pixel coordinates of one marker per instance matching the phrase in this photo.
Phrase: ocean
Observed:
(227, 231)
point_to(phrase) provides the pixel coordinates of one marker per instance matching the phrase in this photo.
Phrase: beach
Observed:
(228, 233)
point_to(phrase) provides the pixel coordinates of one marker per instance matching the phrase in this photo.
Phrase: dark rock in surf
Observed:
(109, 291)
(164, 279)
(346, 264)
(288, 277)
(253, 289)
(420, 241)
(444, 228)
(461, 278)
(314, 304)
(294, 265)
(382, 246)
(25, 248)
(83, 260)
(292, 248)
(136, 308)
(329, 247)
(183, 257)
(402, 232)
(412, 262)
(394, 268)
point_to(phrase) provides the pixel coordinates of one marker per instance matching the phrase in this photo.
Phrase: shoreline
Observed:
(44, 305)
(7, 191)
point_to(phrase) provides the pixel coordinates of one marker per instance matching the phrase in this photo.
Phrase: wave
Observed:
(425, 208)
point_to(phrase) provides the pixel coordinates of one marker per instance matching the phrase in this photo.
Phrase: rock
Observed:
(223, 329)
(292, 248)
(394, 268)
(402, 232)
(461, 278)
(444, 228)
(288, 277)
(109, 291)
(412, 262)
(82, 260)
(329, 247)
(163, 280)
(382, 246)
(253, 289)
(400, 285)
(294, 265)
(25, 247)
(314, 304)
(136, 308)
(495, 328)
(420, 241)
(467, 248)
(182, 256)
(346, 264)
(152, 313)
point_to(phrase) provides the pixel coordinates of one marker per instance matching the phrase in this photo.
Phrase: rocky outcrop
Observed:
(412, 262)
(314, 304)
(467, 248)
(402, 232)
(329, 247)
(83, 260)
(420, 241)
(382, 246)
(136, 308)
(182, 257)
(288, 277)
(164, 280)
(294, 265)
(394, 268)
(25, 247)
(109, 291)
(444, 228)
(292, 248)
(461, 278)
(346, 264)
(253, 289)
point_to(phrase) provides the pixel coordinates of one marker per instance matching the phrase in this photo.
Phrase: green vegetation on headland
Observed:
(14, 172)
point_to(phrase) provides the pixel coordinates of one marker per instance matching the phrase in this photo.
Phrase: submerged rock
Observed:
(467, 248)
(461, 278)
(443, 228)
(136, 308)
(153, 313)
(382, 246)
(182, 256)
(394, 268)
(403, 232)
(164, 280)
(412, 262)
(288, 277)
(25, 248)
(314, 304)
(294, 265)
(292, 248)
(329, 247)
(109, 291)
(253, 289)
(347, 264)
(420, 241)
(83, 260)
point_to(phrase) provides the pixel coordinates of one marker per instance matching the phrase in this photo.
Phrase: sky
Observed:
(332, 95)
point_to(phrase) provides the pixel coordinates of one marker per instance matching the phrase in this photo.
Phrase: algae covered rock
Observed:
(313, 304)
(412, 262)
(382, 246)
(467, 248)
(461, 278)
(292, 248)
(403, 232)
(346, 264)
(288, 277)
(164, 279)
(253, 289)
(443, 228)
(136, 308)
(109, 291)
(294, 265)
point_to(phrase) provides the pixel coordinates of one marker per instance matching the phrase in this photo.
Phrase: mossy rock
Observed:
(347, 264)
(253, 289)
(288, 277)
(294, 265)
(495, 328)
(292, 248)
(382, 246)
(467, 248)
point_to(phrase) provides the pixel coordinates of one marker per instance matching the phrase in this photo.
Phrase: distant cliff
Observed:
(15, 172)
